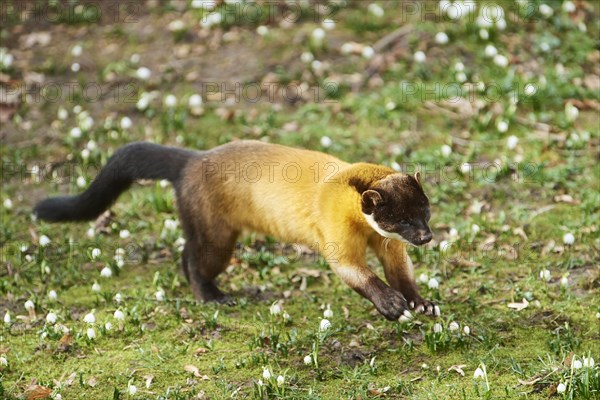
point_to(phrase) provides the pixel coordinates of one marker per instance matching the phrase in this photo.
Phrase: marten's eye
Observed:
(404, 222)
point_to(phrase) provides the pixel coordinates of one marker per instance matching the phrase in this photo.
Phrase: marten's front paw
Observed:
(392, 305)
(423, 306)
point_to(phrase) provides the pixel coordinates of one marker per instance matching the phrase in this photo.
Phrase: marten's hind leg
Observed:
(206, 257)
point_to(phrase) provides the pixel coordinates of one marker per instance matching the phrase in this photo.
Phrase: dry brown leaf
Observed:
(565, 198)
(200, 350)
(458, 368)
(92, 381)
(519, 306)
(149, 379)
(37, 392)
(192, 369)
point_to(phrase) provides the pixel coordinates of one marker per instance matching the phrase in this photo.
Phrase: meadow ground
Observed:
(498, 106)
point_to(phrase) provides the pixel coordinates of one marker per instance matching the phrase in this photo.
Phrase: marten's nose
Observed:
(426, 237)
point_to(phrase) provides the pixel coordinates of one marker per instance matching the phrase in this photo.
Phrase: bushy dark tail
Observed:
(134, 161)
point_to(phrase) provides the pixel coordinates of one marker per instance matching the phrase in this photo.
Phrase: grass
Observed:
(504, 212)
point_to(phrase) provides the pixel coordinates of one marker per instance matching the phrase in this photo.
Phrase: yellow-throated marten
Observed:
(292, 194)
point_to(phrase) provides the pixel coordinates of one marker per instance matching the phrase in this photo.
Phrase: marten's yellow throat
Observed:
(292, 194)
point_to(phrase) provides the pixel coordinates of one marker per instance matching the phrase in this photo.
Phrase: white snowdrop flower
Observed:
(76, 50)
(328, 24)
(453, 326)
(390, 106)
(561, 388)
(266, 374)
(424, 366)
(568, 239)
(7, 318)
(571, 112)
(307, 360)
(44, 240)
(108, 326)
(484, 22)
(545, 275)
(433, 283)
(211, 19)
(89, 318)
(479, 374)
(588, 362)
(307, 57)
(132, 390)
(96, 287)
(77, 109)
(577, 364)
(52, 295)
(530, 89)
(170, 224)
(376, 10)
(51, 318)
(96, 252)
(545, 47)
(3, 361)
(318, 35)
(119, 315)
(461, 77)
(262, 30)
(328, 313)
(118, 299)
(500, 60)
(8, 204)
(459, 67)
(484, 34)
(85, 154)
(124, 234)
(176, 25)
(490, 51)
(324, 325)
(91, 333)
(420, 57)
(512, 142)
(564, 281)
(90, 233)
(91, 145)
(444, 245)
(286, 316)
(135, 58)
(163, 183)
(160, 295)
(569, 7)
(501, 24)
(62, 114)
(467, 330)
(106, 272)
(75, 67)
(546, 10)
(446, 150)
(170, 101)
(206, 4)
(437, 328)
(475, 228)
(142, 103)
(347, 48)
(326, 141)
(86, 123)
(368, 52)
(81, 182)
(275, 309)
(423, 278)
(280, 380)
(260, 382)
(126, 123)
(316, 65)
(195, 101)
(502, 126)
(441, 38)
(454, 11)
(465, 168)
(6, 59)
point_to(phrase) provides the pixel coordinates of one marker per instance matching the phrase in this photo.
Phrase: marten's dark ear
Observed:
(369, 200)
(418, 178)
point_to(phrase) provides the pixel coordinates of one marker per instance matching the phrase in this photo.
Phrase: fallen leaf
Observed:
(149, 379)
(200, 350)
(519, 306)
(92, 381)
(458, 368)
(37, 392)
(192, 369)
(565, 198)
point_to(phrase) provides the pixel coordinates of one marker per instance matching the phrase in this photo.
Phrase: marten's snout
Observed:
(424, 237)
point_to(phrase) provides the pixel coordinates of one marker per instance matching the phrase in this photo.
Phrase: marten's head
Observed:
(397, 208)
